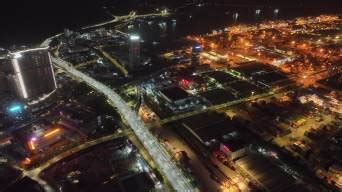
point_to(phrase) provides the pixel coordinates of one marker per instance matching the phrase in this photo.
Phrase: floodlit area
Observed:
(308, 46)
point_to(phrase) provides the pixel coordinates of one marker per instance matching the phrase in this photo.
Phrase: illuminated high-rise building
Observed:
(134, 52)
(4, 68)
(31, 74)
(195, 54)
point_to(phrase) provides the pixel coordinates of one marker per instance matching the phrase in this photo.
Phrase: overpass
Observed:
(167, 167)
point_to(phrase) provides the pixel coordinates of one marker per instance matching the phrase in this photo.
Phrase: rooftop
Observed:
(235, 144)
(218, 96)
(209, 126)
(268, 174)
(221, 76)
(253, 67)
(174, 93)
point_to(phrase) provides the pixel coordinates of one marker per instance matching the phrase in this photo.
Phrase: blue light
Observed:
(197, 48)
(15, 109)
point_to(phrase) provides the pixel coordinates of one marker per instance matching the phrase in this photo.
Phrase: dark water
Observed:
(30, 21)
(201, 20)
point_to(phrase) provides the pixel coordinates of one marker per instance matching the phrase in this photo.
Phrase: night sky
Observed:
(29, 21)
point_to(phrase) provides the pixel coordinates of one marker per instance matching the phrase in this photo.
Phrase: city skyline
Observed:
(30, 22)
(190, 96)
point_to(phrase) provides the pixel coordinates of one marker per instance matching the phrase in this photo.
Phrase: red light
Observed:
(185, 83)
(226, 148)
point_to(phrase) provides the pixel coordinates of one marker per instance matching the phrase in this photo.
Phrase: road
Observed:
(211, 108)
(175, 144)
(80, 65)
(114, 61)
(131, 16)
(298, 133)
(34, 173)
(157, 152)
(167, 167)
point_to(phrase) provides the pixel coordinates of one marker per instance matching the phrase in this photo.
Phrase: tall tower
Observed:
(134, 52)
(4, 68)
(31, 74)
(195, 53)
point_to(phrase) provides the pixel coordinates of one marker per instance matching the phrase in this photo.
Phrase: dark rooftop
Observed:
(174, 93)
(271, 77)
(209, 126)
(253, 67)
(218, 96)
(245, 88)
(134, 183)
(203, 120)
(8, 176)
(26, 184)
(334, 82)
(221, 76)
(235, 144)
(268, 174)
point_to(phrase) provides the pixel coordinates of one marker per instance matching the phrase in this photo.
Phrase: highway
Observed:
(198, 164)
(167, 167)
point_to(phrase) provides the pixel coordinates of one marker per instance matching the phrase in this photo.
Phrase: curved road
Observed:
(174, 175)
(130, 16)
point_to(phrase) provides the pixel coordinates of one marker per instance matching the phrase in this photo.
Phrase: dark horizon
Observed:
(29, 22)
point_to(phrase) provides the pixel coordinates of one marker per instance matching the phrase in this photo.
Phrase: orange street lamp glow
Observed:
(27, 161)
(31, 145)
(52, 132)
